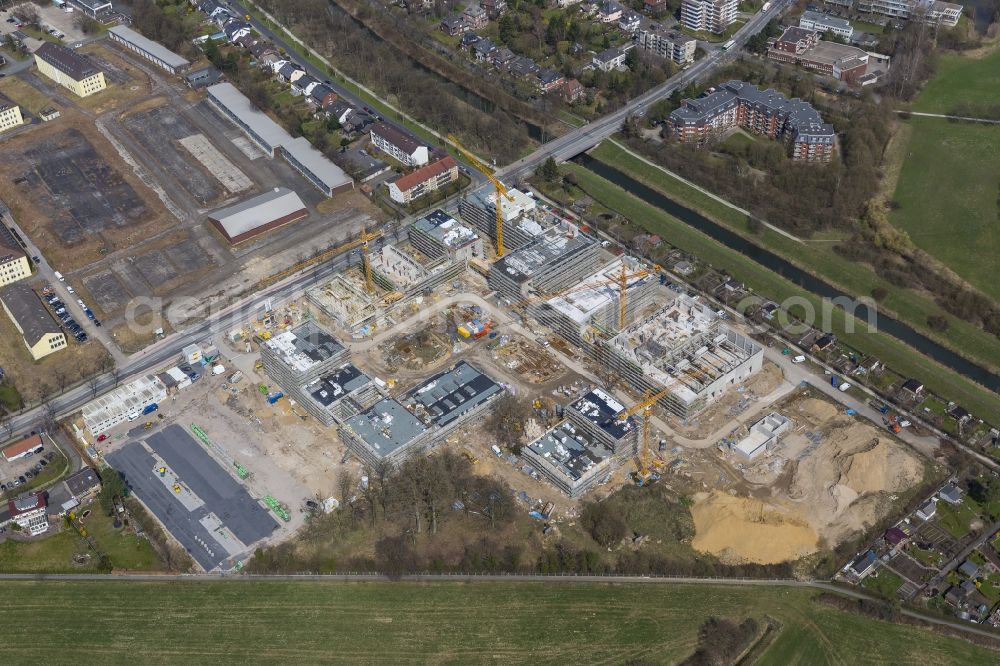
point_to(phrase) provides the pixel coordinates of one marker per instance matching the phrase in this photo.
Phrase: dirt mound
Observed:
(817, 410)
(879, 467)
(738, 529)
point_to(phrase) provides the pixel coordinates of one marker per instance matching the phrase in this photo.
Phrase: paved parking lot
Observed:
(208, 490)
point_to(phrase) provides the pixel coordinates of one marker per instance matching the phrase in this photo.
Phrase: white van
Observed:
(844, 386)
(59, 276)
(799, 359)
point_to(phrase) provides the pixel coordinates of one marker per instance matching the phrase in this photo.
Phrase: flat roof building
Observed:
(386, 431)
(557, 258)
(125, 403)
(452, 395)
(820, 22)
(763, 436)
(478, 209)
(802, 47)
(94, 8)
(341, 394)
(69, 69)
(597, 413)
(275, 141)
(258, 215)
(155, 53)
(39, 331)
(684, 347)
(570, 458)
(438, 234)
(299, 355)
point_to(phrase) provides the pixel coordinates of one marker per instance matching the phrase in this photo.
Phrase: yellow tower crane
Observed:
(363, 240)
(646, 407)
(501, 189)
(323, 256)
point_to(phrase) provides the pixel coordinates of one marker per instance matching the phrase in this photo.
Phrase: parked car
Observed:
(70, 289)
(37, 260)
(97, 323)
(29, 475)
(43, 463)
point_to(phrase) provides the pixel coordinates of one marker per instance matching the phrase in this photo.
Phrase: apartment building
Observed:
(399, 145)
(764, 112)
(930, 11)
(825, 23)
(14, 263)
(713, 16)
(10, 117)
(69, 69)
(39, 331)
(440, 235)
(669, 44)
(424, 180)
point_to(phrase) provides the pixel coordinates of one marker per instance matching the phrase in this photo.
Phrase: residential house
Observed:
(260, 49)
(969, 569)
(549, 80)
(483, 49)
(502, 58)
(951, 494)
(610, 12)
(654, 7)
(928, 510)
(960, 414)
(403, 147)
(322, 95)
(522, 67)
(287, 72)
(572, 90)
(338, 110)
(864, 564)
(475, 17)
(357, 121)
(468, 39)
(268, 61)
(303, 84)
(609, 60)
(494, 8)
(245, 41)
(424, 180)
(29, 513)
(84, 485)
(914, 387)
(629, 22)
(296, 74)
(895, 537)
(454, 25)
(236, 29)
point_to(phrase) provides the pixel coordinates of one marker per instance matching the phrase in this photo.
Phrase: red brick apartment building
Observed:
(764, 112)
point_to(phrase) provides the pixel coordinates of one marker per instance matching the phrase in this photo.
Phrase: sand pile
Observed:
(738, 529)
(817, 410)
(879, 467)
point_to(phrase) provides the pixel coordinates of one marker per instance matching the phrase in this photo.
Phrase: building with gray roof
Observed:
(596, 412)
(570, 458)
(556, 259)
(341, 394)
(438, 234)
(258, 215)
(274, 140)
(820, 22)
(148, 49)
(765, 112)
(385, 432)
(39, 331)
(455, 394)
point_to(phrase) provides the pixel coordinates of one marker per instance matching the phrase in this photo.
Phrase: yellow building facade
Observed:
(69, 69)
(10, 117)
(13, 267)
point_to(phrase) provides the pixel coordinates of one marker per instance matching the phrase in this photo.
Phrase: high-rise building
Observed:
(708, 15)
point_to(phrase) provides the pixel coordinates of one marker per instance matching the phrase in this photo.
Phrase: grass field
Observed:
(961, 79)
(452, 623)
(816, 256)
(892, 352)
(947, 193)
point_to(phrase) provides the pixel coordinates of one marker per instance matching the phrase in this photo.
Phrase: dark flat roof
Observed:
(450, 394)
(601, 409)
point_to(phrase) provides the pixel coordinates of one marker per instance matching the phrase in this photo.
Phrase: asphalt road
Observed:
(584, 138)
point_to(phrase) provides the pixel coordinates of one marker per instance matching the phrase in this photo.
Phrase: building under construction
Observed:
(556, 259)
(593, 308)
(587, 447)
(336, 397)
(297, 357)
(685, 347)
(393, 430)
(439, 235)
(478, 209)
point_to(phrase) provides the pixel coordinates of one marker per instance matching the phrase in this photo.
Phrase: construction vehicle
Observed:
(362, 242)
(894, 424)
(501, 189)
(147, 425)
(471, 458)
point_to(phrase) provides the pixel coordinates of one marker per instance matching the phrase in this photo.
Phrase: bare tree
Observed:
(61, 378)
(507, 421)
(94, 384)
(6, 425)
(116, 375)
